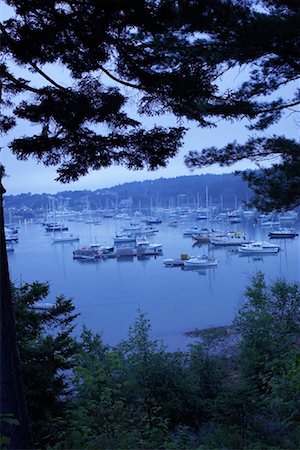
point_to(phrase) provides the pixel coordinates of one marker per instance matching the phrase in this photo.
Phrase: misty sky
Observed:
(28, 176)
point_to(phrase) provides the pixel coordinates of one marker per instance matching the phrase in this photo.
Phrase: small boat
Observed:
(259, 247)
(124, 238)
(146, 231)
(65, 238)
(102, 250)
(173, 262)
(153, 221)
(132, 228)
(55, 227)
(269, 223)
(235, 220)
(289, 215)
(283, 233)
(193, 230)
(231, 238)
(201, 261)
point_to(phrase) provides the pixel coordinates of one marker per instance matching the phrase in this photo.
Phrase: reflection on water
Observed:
(108, 292)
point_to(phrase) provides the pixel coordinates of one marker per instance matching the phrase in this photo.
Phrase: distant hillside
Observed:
(164, 192)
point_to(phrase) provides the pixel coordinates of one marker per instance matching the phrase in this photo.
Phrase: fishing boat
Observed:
(260, 247)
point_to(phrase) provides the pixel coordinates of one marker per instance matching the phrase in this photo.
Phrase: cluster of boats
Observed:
(129, 248)
(205, 261)
(231, 238)
(204, 235)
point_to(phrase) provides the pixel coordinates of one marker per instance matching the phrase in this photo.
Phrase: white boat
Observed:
(132, 228)
(56, 227)
(289, 215)
(259, 247)
(146, 231)
(269, 223)
(142, 242)
(65, 238)
(283, 233)
(173, 223)
(231, 238)
(193, 230)
(143, 247)
(124, 238)
(200, 261)
(102, 250)
(173, 262)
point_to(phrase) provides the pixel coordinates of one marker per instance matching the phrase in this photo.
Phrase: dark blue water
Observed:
(108, 293)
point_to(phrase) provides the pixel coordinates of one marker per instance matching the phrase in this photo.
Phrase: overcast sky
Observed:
(28, 176)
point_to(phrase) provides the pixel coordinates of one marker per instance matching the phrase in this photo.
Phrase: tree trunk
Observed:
(13, 401)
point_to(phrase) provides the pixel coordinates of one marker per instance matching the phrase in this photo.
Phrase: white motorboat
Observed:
(283, 233)
(231, 238)
(173, 262)
(201, 261)
(55, 227)
(146, 231)
(269, 223)
(259, 247)
(173, 223)
(193, 230)
(124, 238)
(132, 228)
(65, 238)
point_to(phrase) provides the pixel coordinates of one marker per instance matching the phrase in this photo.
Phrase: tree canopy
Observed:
(169, 56)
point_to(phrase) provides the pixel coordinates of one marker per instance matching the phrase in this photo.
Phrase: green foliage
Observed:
(47, 352)
(139, 395)
(261, 406)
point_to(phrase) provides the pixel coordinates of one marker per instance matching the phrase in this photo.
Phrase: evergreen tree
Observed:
(47, 350)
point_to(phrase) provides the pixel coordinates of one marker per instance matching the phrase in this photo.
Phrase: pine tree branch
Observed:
(125, 83)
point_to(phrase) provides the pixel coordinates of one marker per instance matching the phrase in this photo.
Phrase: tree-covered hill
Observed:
(183, 191)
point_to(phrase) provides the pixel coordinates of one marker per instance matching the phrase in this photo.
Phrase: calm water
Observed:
(108, 293)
